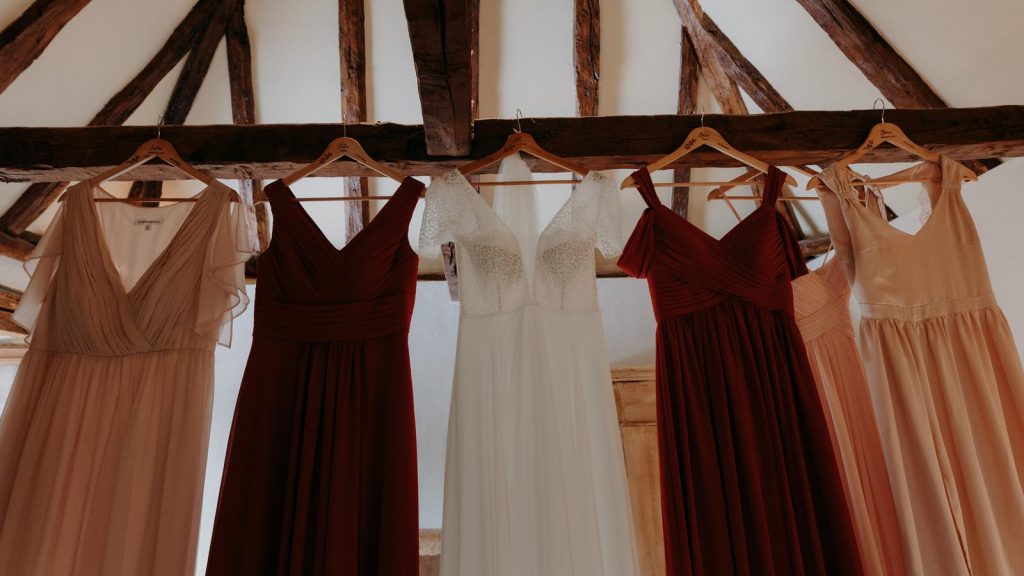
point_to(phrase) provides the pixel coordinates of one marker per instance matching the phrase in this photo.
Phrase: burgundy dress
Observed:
(320, 476)
(749, 480)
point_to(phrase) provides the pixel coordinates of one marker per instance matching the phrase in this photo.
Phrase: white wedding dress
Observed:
(535, 481)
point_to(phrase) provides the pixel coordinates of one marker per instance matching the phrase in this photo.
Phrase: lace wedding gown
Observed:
(535, 481)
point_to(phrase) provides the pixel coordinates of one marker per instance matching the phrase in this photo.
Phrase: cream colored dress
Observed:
(947, 379)
(104, 437)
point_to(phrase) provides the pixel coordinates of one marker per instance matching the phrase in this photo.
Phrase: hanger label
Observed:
(451, 271)
(148, 222)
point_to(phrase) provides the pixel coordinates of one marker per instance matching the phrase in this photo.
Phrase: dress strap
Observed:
(773, 185)
(646, 187)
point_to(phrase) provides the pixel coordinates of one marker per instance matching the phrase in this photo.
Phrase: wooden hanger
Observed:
(888, 132)
(340, 148)
(703, 136)
(163, 150)
(521, 142)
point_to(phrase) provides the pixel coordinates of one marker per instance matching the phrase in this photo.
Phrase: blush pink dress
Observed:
(947, 379)
(104, 438)
(821, 300)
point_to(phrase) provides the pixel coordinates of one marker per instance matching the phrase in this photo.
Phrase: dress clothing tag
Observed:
(451, 271)
(148, 222)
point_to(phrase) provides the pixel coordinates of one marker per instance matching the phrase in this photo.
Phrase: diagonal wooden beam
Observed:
(722, 86)
(243, 108)
(440, 31)
(894, 77)
(352, 45)
(190, 80)
(689, 85)
(25, 39)
(742, 71)
(38, 197)
(587, 55)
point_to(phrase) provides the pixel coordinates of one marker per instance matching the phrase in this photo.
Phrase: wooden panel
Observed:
(29, 34)
(600, 142)
(430, 552)
(635, 397)
(587, 55)
(440, 33)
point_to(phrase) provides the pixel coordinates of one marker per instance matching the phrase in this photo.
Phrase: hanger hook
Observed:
(875, 107)
(344, 122)
(519, 120)
(159, 124)
(701, 107)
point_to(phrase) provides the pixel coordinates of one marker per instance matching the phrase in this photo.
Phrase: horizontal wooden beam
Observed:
(601, 142)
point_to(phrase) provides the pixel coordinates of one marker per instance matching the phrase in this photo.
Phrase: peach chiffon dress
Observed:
(821, 300)
(104, 438)
(947, 379)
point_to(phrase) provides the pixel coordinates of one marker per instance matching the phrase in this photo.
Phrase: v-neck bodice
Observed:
(495, 275)
(689, 270)
(184, 298)
(939, 269)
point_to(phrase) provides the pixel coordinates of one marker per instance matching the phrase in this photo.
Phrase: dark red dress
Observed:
(320, 477)
(749, 481)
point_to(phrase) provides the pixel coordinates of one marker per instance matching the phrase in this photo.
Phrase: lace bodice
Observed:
(503, 262)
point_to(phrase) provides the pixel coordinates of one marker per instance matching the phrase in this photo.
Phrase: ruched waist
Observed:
(834, 315)
(674, 301)
(925, 311)
(334, 322)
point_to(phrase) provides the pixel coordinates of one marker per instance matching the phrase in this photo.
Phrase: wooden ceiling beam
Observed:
(689, 90)
(243, 108)
(38, 197)
(352, 44)
(742, 71)
(29, 34)
(440, 33)
(722, 86)
(587, 55)
(894, 77)
(600, 142)
(189, 81)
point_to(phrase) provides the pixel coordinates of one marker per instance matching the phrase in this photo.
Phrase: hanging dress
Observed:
(535, 480)
(104, 438)
(821, 301)
(947, 378)
(320, 473)
(749, 480)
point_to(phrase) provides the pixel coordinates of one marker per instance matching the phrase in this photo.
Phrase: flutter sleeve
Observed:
(41, 266)
(608, 220)
(222, 295)
(441, 215)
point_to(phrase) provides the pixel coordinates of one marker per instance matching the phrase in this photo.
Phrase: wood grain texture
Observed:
(872, 54)
(742, 71)
(352, 47)
(689, 90)
(25, 39)
(440, 32)
(599, 142)
(587, 55)
(722, 86)
(635, 398)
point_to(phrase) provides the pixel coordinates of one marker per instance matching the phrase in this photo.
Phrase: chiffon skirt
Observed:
(102, 464)
(950, 400)
(750, 483)
(847, 402)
